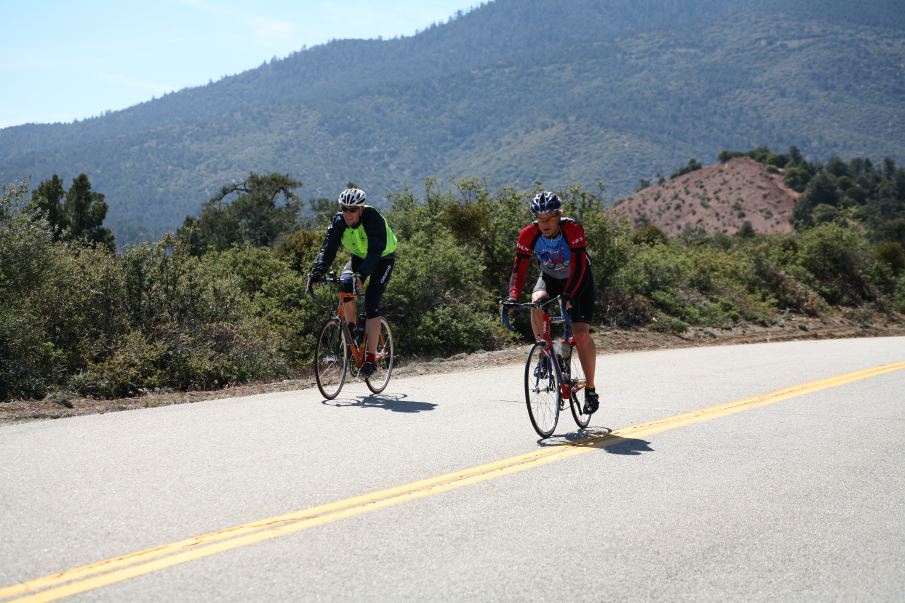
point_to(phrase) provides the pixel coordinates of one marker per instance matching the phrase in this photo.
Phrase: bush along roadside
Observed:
(185, 314)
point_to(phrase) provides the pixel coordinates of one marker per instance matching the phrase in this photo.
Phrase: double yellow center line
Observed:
(111, 571)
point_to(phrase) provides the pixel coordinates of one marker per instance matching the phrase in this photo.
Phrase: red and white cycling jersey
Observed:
(562, 257)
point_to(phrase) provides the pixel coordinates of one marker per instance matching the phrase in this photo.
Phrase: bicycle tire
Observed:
(379, 379)
(577, 379)
(542, 393)
(331, 359)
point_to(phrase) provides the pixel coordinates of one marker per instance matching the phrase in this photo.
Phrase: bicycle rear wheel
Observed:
(331, 360)
(577, 381)
(377, 382)
(542, 390)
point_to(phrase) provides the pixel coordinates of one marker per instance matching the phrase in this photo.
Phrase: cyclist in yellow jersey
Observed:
(365, 233)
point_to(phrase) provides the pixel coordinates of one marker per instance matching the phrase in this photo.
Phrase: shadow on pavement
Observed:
(574, 437)
(627, 446)
(391, 402)
(600, 438)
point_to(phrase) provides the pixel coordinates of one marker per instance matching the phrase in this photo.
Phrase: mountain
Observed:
(513, 91)
(713, 199)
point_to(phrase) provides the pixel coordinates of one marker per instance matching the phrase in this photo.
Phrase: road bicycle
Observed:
(553, 374)
(339, 351)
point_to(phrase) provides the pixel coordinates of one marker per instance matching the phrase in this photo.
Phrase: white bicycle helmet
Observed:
(352, 196)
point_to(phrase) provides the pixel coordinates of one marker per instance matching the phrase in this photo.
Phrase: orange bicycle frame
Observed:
(358, 352)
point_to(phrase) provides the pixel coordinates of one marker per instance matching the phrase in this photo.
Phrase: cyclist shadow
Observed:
(600, 438)
(391, 402)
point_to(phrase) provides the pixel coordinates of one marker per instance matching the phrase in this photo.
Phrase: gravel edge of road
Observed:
(608, 341)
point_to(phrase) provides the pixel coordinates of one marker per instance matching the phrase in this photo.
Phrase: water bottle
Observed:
(562, 355)
(565, 351)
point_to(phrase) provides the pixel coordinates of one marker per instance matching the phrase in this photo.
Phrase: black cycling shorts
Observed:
(583, 301)
(377, 282)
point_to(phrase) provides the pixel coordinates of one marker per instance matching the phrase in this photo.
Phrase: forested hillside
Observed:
(513, 91)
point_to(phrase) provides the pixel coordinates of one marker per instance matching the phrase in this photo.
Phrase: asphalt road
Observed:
(799, 496)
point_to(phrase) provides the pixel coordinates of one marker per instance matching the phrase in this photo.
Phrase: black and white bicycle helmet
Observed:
(545, 202)
(352, 196)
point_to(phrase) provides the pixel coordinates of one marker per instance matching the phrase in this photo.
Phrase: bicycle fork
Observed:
(544, 377)
(543, 373)
(562, 363)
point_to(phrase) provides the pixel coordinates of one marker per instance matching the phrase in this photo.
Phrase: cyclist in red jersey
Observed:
(559, 245)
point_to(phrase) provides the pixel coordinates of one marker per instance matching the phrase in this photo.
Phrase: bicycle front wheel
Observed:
(542, 390)
(331, 360)
(577, 381)
(377, 382)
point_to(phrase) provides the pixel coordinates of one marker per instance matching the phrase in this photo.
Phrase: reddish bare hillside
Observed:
(717, 198)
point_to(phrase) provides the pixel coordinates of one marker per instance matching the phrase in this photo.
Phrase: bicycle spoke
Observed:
(577, 380)
(378, 381)
(541, 391)
(330, 360)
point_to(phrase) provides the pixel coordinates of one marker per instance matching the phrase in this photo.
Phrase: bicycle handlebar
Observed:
(504, 315)
(332, 279)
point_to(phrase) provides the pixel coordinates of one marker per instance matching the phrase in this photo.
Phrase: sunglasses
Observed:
(350, 209)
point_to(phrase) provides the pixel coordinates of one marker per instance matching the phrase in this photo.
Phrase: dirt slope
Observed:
(717, 198)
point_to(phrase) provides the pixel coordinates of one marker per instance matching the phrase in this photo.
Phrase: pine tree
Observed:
(86, 210)
(46, 201)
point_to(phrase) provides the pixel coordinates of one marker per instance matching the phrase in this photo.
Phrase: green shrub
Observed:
(656, 268)
(898, 302)
(892, 254)
(450, 329)
(796, 178)
(436, 278)
(158, 316)
(252, 267)
(220, 353)
(648, 234)
(137, 364)
(299, 249)
(837, 257)
(292, 319)
(676, 304)
(30, 363)
(668, 324)
(81, 305)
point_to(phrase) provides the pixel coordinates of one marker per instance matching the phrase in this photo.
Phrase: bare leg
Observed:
(587, 351)
(372, 332)
(350, 312)
(537, 315)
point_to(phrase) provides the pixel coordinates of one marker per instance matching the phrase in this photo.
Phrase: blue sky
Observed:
(62, 60)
